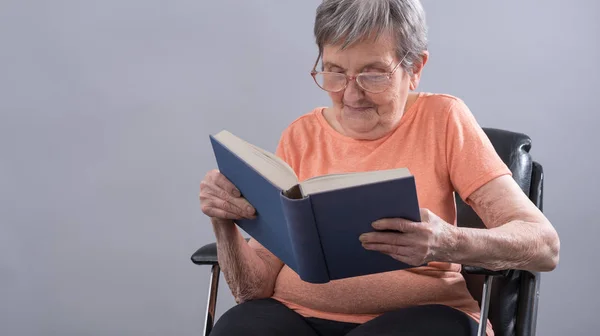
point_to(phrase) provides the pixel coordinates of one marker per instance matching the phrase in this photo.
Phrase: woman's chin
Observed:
(361, 122)
(359, 113)
(360, 129)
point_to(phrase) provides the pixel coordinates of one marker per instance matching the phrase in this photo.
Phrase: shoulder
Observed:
(449, 112)
(442, 103)
(439, 98)
(441, 112)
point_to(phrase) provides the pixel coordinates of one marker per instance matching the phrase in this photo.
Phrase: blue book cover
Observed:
(314, 226)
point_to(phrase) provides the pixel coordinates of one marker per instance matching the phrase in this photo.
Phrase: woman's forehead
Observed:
(369, 46)
(365, 53)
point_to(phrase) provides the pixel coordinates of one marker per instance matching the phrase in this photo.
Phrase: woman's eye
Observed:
(375, 77)
(374, 71)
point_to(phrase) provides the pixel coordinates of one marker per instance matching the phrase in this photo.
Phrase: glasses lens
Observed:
(374, 82)
(329, 81)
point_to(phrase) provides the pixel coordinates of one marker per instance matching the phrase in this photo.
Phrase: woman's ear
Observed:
(418, 70)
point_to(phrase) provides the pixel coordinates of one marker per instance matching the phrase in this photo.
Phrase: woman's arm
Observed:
(249, 269)
(519, 235)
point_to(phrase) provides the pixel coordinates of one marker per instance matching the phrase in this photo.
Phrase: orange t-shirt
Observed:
(440, 142)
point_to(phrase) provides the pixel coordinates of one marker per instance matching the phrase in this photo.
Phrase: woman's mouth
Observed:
(358, 108)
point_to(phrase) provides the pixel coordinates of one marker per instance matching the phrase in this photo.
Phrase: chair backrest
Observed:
(513, 303)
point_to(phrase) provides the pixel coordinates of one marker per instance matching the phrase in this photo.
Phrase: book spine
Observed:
(304, 237)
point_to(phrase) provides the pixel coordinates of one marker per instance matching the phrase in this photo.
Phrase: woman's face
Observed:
(360, 114)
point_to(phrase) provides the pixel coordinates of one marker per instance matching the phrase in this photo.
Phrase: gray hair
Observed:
(346, 22)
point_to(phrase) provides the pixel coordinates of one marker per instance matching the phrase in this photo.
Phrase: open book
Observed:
(313, 226)
(283, 176)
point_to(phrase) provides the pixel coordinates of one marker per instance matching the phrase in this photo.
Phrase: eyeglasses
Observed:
(373, 82)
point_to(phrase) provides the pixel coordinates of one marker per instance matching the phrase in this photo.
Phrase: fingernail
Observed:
(236, 193)
(249, 209)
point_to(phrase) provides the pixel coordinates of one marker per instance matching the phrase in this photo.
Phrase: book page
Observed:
(269, 165)
(345, 180)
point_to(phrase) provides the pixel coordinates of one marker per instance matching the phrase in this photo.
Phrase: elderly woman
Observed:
(372, 54)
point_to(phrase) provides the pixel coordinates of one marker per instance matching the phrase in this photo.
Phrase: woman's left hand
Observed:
(414, 243)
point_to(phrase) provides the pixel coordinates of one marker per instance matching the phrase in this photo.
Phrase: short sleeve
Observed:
(470, 156)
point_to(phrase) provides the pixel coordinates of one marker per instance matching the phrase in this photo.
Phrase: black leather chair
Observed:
(512, 302)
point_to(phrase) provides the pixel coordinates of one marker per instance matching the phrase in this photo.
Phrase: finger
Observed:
(212, 211)
(222, 182)
(390, 238)
(387, 248)
(230, 193)
(396, 224)
(426, 215)
(225, 201)
(214, 208)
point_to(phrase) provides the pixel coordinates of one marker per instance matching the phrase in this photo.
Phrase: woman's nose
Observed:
(353, 91)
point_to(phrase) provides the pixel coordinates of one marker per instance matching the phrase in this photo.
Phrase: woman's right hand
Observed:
(221, 200)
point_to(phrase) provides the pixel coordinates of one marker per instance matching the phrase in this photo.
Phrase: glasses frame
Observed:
(349, 79)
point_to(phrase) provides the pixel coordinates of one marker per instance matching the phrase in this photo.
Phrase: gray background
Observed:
(106, 107)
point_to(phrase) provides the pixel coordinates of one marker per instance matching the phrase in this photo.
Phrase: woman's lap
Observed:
(269, 317)
(420, 320)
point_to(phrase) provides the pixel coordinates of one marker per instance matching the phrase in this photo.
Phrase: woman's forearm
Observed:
(518, 235)
(515, 245)
(248, 274)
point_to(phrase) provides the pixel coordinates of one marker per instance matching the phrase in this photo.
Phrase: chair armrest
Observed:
(206, 255)
(483, 271)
